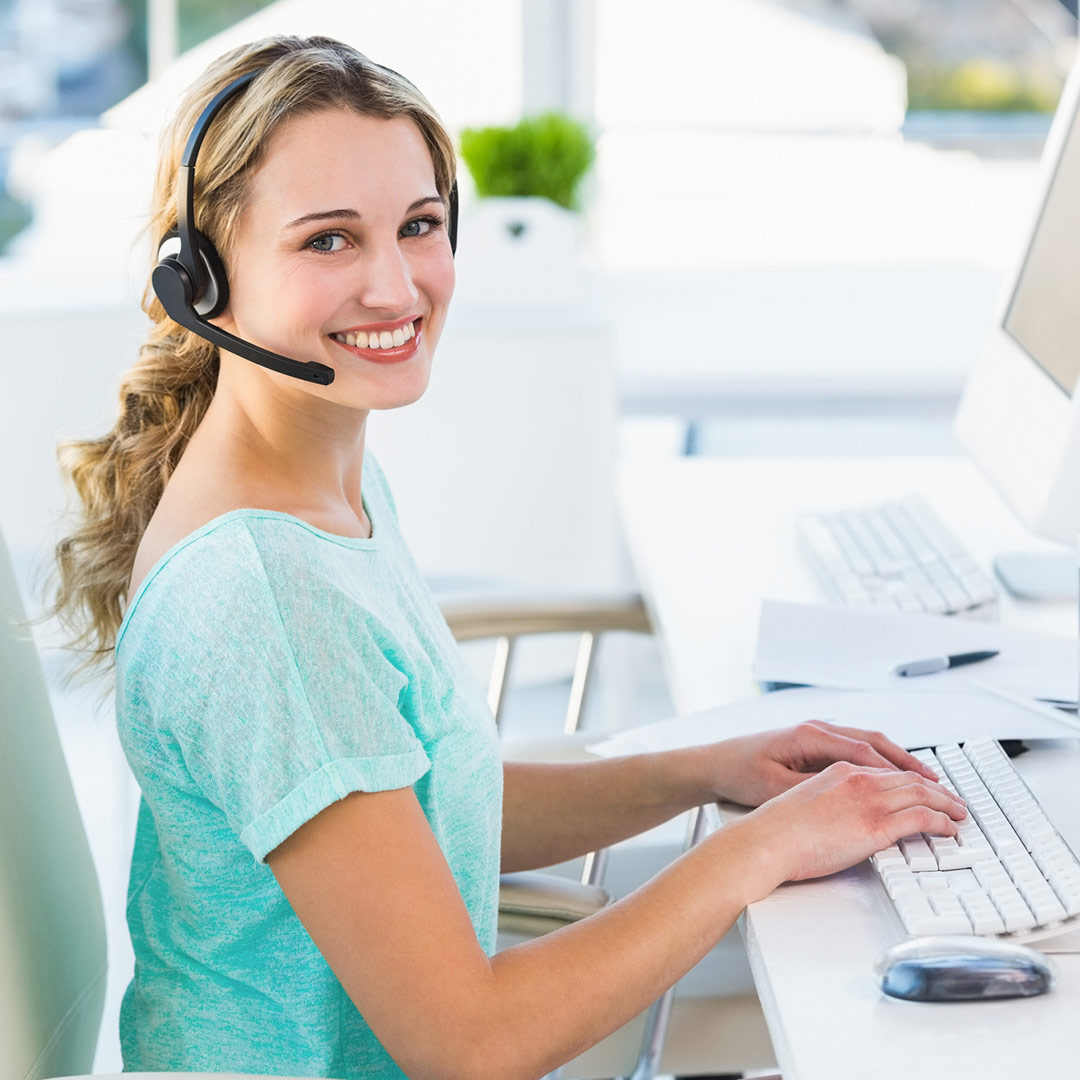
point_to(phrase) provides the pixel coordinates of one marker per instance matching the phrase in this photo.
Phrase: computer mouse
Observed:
(963, 968)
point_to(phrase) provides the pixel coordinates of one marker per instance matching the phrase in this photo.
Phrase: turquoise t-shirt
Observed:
(265, 669)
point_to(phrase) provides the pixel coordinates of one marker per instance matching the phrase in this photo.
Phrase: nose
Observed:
(387, 280)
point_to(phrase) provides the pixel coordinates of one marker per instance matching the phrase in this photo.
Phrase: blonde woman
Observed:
(325, 814)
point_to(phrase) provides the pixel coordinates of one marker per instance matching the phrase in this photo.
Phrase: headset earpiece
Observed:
(211, 299)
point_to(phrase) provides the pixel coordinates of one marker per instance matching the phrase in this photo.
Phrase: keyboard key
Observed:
(918, 853)
(982, 914)
(889, 855)
(964, 881)
(932, 882)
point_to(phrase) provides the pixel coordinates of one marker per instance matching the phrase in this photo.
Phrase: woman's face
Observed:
(342, 256)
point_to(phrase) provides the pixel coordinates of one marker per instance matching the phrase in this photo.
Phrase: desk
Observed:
(710, 539)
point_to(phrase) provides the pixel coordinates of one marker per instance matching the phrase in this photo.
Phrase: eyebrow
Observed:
(323, 215)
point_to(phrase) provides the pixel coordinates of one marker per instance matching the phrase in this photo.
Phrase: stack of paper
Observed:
(912, 720)
(846, 659)
(857, 650)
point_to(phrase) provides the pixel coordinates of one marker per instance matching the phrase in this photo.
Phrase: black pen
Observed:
(941, 663)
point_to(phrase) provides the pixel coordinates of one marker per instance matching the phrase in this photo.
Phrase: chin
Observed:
(383, 397)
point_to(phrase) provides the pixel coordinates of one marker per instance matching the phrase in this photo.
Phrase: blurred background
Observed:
(789, 240)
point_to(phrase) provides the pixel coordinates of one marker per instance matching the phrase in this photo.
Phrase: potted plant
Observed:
(521, 239)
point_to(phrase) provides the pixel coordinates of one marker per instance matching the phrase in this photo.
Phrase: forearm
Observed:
(555, 997)
(557, 812)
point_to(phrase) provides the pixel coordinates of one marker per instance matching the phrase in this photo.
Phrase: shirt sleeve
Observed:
(277, 698)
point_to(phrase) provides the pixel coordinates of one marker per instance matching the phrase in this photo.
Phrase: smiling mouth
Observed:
(380, 339)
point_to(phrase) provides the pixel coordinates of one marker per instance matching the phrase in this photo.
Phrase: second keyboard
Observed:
(896, 555)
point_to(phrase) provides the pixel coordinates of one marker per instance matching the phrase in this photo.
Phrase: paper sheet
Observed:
(857, 649)
(912, 720)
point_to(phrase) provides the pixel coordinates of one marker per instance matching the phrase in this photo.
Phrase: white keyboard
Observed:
(1008, 872)
(896, 555)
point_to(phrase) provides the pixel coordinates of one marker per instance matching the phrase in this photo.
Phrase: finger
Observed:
(826, 746)
(921, 793)
(917, 787)
(921, 819)
(840, 771)
(895, 755)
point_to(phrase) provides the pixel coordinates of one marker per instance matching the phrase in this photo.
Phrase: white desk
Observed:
(710, 539)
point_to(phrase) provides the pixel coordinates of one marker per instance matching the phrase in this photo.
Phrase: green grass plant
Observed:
(546, 155)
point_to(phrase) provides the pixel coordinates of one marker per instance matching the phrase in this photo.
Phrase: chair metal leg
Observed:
(659, 1016)
(594, 868)
(580, 686)
(500, 666)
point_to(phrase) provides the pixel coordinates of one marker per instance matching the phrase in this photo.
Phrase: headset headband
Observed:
(185, 181)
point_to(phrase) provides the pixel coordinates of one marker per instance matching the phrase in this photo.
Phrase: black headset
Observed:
(189, 278)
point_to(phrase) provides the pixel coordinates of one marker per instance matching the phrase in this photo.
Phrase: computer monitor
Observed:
(1019, 417)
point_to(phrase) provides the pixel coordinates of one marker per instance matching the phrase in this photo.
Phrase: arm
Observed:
(557, 812)
(370, 885)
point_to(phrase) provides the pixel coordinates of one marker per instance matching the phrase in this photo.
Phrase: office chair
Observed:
(708, 1032)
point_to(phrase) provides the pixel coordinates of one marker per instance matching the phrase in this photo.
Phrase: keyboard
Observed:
(1008, 873)
(896, 555)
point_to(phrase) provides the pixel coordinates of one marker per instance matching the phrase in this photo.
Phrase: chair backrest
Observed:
(52, 929)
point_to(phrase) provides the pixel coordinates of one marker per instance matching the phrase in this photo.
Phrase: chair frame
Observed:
(506, 618)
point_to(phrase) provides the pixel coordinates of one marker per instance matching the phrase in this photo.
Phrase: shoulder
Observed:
(209, 569)
(252, 572)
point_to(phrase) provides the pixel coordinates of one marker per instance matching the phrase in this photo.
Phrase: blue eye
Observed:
(327, 243)
(421, 226)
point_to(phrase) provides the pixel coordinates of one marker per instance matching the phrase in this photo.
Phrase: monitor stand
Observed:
(1039, 575)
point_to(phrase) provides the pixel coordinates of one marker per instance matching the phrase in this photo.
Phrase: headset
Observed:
(189, 278)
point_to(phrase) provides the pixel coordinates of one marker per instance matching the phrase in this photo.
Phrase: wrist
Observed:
(760, 852)
(694, 772)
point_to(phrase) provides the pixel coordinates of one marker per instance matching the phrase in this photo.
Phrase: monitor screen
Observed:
(1043, 316)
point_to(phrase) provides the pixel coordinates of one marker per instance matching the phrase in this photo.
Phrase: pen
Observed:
(941, 663)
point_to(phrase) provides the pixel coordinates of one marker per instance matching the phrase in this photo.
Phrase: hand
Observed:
(751, 769)
(843, 815)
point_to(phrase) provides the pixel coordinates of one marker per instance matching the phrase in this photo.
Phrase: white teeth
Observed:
(378, 339)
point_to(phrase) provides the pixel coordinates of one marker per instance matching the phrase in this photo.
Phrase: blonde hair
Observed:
(120, 477)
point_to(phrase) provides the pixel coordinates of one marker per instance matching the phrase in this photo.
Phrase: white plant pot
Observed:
(519, 252)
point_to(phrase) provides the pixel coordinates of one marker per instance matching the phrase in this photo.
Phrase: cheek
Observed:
(443, 276)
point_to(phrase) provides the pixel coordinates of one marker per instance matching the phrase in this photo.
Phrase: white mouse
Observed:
(963, 968)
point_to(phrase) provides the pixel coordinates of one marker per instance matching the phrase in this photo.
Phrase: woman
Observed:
(314, 884)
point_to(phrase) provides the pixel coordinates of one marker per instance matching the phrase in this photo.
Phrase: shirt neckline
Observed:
(360, 543)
